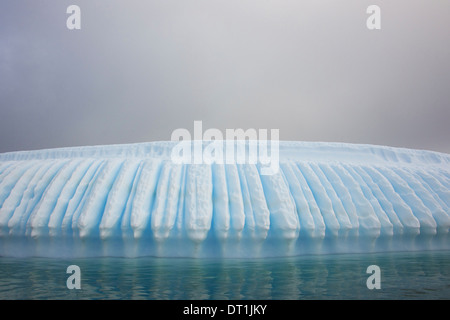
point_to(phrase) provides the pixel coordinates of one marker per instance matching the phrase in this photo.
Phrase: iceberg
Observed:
(132, 200)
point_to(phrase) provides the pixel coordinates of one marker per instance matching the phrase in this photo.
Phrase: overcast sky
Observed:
(137, 70)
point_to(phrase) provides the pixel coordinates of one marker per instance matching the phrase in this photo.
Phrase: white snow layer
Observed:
(132, 200)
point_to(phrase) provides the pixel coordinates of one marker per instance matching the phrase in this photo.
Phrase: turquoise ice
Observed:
(133, 200)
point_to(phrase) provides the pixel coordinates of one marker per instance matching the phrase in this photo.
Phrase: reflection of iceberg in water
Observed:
(412, 275)
(132, 200)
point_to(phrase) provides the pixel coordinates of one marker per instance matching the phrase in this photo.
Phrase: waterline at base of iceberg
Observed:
(76, 247)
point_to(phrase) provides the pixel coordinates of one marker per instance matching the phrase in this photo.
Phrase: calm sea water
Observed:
(417, 275)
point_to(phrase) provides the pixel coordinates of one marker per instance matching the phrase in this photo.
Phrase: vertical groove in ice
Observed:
(67, 193)
(198, 202)
(221, 211)
(283, 213)
(125, 224)
(339, 193)
(319, 223)
(76, 202)
(173, 199)
(337, 207)
(343, 194)
(166, 202)
(117, 199)
(157, 215)
(305, 218)
(93, 208)
(323, 201)
(261, 213)
(236, 203)
(179, 230)
(249, 224)
(144, 197)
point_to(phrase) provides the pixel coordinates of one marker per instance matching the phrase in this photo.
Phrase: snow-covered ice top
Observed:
(132, 200)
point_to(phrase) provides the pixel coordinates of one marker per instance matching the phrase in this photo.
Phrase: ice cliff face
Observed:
(133, 200)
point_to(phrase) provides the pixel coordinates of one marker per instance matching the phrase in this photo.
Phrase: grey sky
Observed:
(137, 70)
